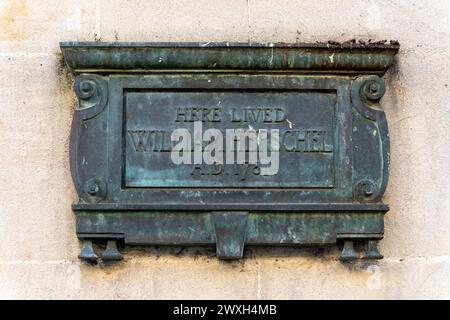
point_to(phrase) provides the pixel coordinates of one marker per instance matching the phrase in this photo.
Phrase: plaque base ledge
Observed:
(231, 231)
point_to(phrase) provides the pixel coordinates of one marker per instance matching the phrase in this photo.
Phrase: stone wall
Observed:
(38, 256)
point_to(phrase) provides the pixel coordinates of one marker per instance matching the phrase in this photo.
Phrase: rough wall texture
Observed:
(38, 256)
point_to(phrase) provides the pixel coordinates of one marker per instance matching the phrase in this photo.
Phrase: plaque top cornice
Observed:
(147, 57)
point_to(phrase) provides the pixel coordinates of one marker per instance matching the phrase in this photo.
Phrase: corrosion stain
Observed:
(13, 14)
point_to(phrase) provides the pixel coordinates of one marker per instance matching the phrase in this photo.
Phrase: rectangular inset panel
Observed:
(304, 120)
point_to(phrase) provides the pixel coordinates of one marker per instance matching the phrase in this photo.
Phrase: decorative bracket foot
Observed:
(230, 229)
(87, 252)
(372, 250)
(348, 252)
(111, 252)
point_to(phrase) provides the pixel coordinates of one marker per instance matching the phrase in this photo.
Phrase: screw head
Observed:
(373, 88)
(85, 87)
(93, 189)
(369, 190)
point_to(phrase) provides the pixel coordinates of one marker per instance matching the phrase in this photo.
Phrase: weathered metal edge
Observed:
(270, 207)
(129, 57)
(394, 45)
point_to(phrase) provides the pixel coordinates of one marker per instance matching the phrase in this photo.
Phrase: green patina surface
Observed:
(334, 144)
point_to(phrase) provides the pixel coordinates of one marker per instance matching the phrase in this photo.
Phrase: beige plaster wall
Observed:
(38, 247)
